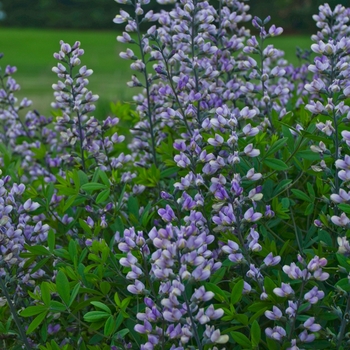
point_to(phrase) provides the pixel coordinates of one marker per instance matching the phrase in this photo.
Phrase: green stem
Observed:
(344, 322)
(15, 316)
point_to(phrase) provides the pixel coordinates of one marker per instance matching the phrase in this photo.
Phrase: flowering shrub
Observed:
(219, 221)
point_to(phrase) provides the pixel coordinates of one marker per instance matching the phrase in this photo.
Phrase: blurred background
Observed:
(30, 31)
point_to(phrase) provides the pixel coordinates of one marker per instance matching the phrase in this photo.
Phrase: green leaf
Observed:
(309, 209)
(272, 344)
(218, 275)
(311, 190)
(45, 293)
(83, 178)
(95, 316)
(37, 249)
(123, 332)
(48, 194)
(345, 208)
(33, 310)
(242, 318)
(324, 236)
(343, 261)
(315, 137)
(104, 178)
(219, 294)
(40, 152)
(101, 306)
(281, 186)
(105, 287)
(103, 196)
(303, 307)
(301, 195)
(125, 303)
(85, 226)
(343, 284)
(63, 288)
(72, 249)
(276, 146)
(269, 285)
(69, 202)
(56, 306)
(133, 206)
(241, 339)
(236, 294)
(119, 321)
(309, 155)
(255, 334)
(109, 326)
(36, 322)
(74, 294)
(168, 172)
(92, 186)
(117, 299)
(40, 264)
(275, 164)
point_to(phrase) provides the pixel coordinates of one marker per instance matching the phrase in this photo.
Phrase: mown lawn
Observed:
(31, 50)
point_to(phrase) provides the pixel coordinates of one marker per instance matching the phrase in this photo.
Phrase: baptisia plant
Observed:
(222, 222)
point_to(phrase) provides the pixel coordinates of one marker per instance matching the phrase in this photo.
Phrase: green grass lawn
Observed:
(31, 51)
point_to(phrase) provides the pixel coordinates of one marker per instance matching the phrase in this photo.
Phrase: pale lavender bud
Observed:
(146, 328)
(10, 70)
(276, 333)
(319, 275)
(167, 214)
(310, 325)
(251, 216)
(316, 86)
(248, 130)
(84, 72)
(251, 175)
(137, 288)
(30, 206)
(275, 314)
(214, 314)
(250, 151)
(346, 91)
(315, 108)
(326, 128)
(314, 295)
(217, 141)
(341, 221)
(306, 338)
(129, 261)
(246, 113)
(285, 290)
(292, 309)
(138, 65)
(270, 260)
(182, 160)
